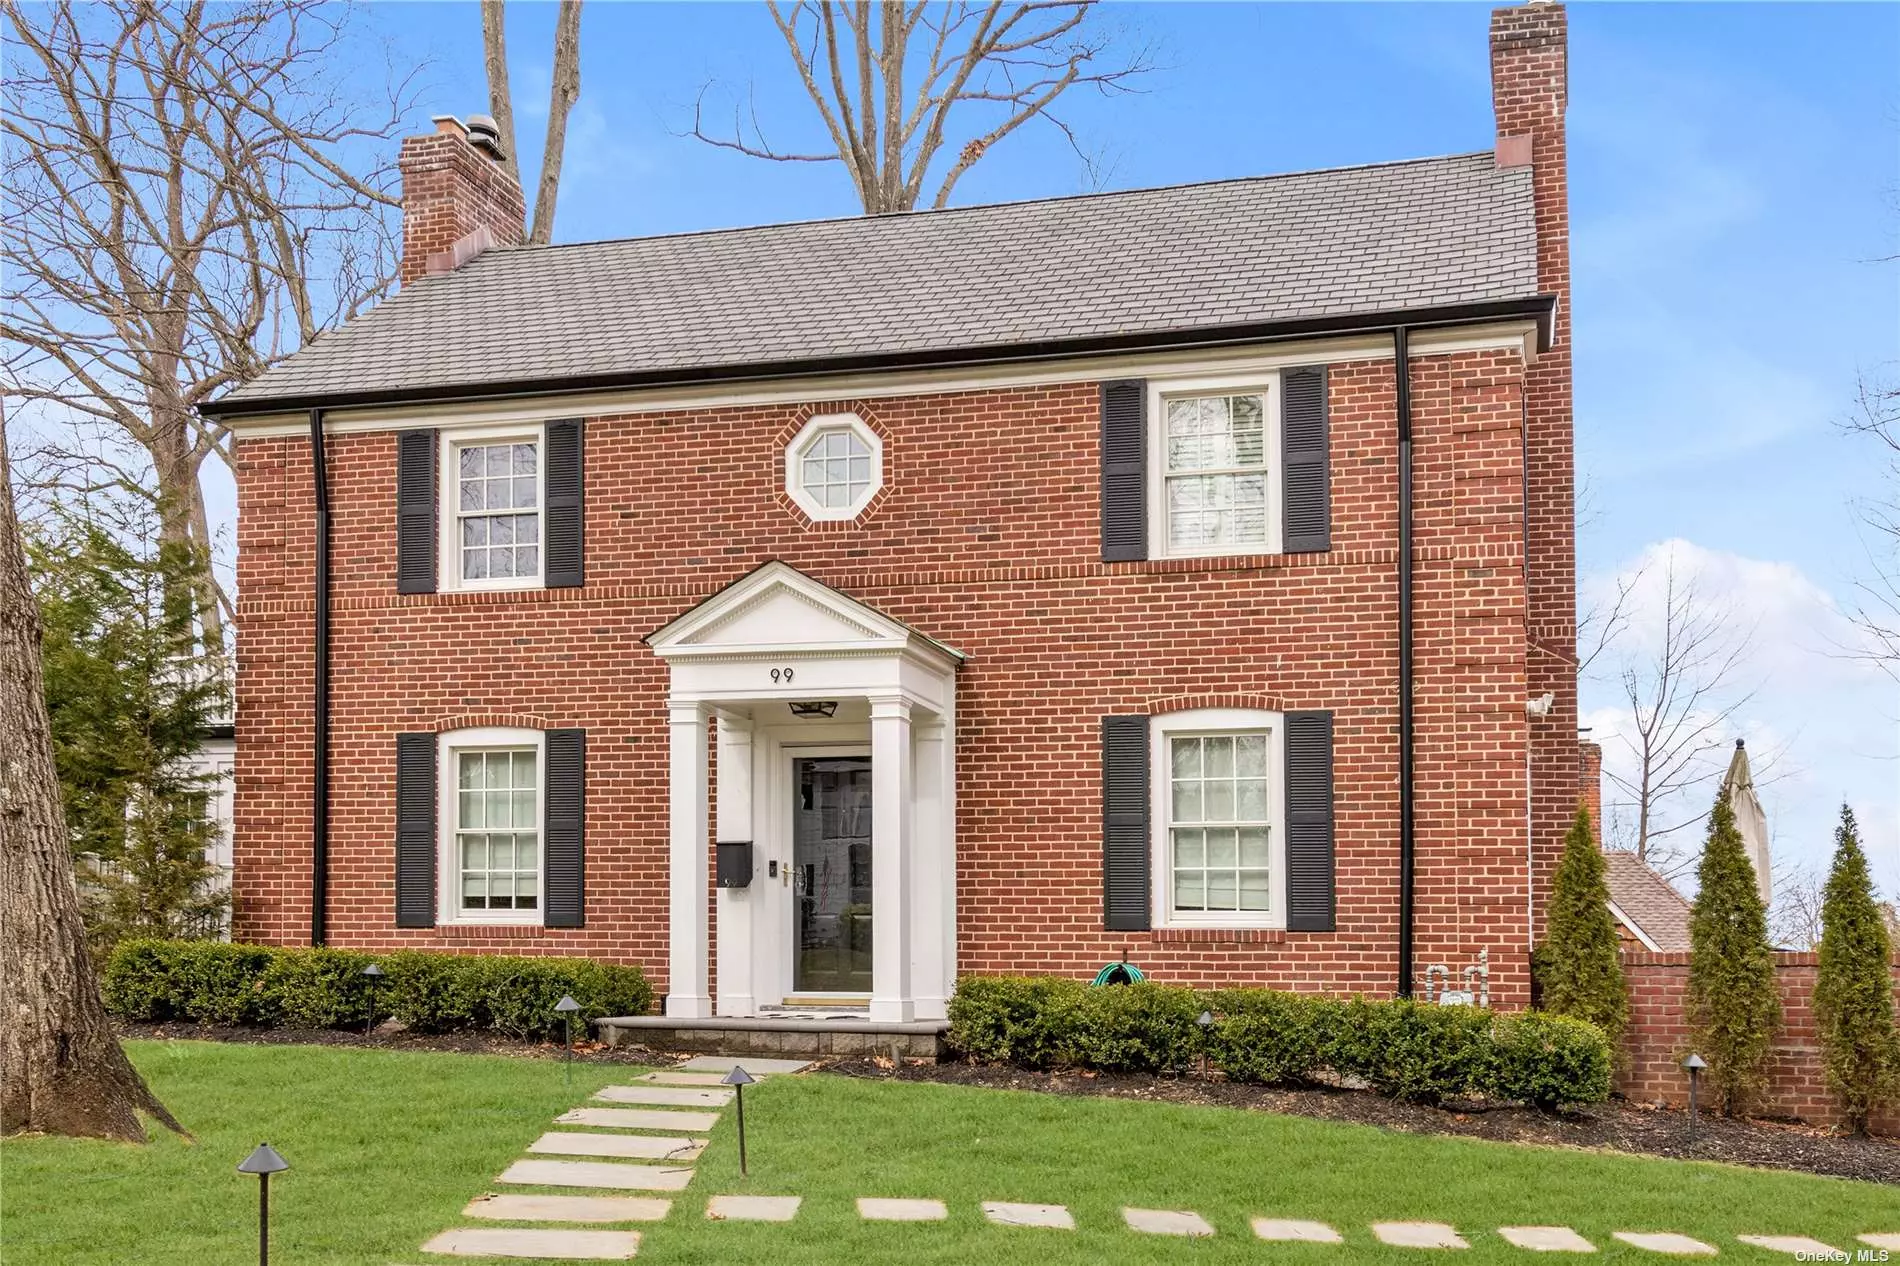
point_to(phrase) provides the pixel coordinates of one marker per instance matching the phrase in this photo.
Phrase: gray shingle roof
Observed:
(1648, 900)
(1360, 240)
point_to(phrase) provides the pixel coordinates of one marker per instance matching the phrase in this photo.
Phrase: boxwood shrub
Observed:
(1407, 1050)
(214, 983)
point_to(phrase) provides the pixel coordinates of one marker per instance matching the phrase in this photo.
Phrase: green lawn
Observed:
(387, 1147)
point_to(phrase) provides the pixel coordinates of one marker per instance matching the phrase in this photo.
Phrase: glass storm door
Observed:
(831, 874)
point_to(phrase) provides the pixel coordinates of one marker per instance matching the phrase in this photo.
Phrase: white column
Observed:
(929, 913)
(735, 908)
(687, 877)
(891, 858)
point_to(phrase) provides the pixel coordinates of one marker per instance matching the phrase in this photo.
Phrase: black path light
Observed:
(739, 1079)
(1206, 1021)
(567, 1007)
(373, 976)
(1694, 1064)
(263, 1162)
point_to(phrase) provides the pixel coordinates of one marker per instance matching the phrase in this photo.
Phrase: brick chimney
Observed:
(1529, 90)
(457, 198)
(1590, 782)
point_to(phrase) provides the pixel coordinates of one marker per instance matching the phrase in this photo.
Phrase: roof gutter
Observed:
(1402, 359)
(1536, 308)
(320, 706)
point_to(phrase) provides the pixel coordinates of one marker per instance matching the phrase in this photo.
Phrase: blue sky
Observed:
(1735, 181)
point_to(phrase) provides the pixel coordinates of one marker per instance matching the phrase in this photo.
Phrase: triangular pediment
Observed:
(779, 607)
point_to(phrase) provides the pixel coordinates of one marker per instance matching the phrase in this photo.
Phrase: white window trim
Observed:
(448, 500)
(1160, 391)
(448, 856)
(1161, 864)
(795, 489)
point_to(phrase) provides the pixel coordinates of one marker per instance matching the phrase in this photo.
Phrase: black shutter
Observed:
(1309, 821)
(1307, 504)
(1125, 823)
(415, 830)
(563, 882)
(565, 565)
(1124, 470)
(415, 512)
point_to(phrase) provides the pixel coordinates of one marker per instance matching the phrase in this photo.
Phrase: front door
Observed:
(831, 874)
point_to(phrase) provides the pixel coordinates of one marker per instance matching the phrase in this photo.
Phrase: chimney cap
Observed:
(448, 123)
(484, 135)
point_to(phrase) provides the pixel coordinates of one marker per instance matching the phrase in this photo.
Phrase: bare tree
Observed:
(1794, 920)
(890, 77)
(62, 1070)
(1877, 612)
(563, 93)
(183, 210)
(1679, 691)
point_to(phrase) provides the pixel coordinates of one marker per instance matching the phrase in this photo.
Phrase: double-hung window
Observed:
(495, 497)
(1214, 469)
(1219, 818)
(491, 816)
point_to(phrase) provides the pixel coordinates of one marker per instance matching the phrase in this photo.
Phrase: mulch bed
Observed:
(1615, 1126)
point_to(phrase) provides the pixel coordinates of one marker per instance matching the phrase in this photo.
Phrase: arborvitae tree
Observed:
(1581, 974)
(1733, 1006)
(1853, 991)
(129, 693)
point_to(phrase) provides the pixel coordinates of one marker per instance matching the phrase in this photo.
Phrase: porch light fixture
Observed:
(739, 1079)
(815, 709)
(263, 1162)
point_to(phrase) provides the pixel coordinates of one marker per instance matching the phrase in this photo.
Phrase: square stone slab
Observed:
(622, 1146)
(1881, 1239)
(682, 1079)
(641, 1119)
(668, 1096)
(497, 1241)
(872, 1209)
(752, 1208)
(1418, 1235)
(1813, 1250)
(1547, 1239)
(1166, 1222)
(1667, 1242)
(544, 1173)
(757, 1065)
(1294, 1229)
(1003, 1213)
(517, 1207)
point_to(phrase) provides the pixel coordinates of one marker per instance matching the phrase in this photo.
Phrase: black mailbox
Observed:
(735, 863)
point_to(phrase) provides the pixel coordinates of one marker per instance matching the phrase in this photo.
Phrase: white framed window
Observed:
(491, 831)
(1219, 817)
(492, 497)
(1214, 466)
(834, 466)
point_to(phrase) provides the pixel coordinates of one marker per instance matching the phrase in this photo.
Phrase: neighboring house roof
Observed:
(1094, 272)
(1645, 903)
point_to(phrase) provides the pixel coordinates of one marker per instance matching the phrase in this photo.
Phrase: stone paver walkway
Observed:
(1294, 1229)
(1881, 1239)
(1053, 1216)
(1547, 1239)
(640, 1119)
(603, 1174)
(512, 1206)
(877, 1209)
(502, 1241)
(1667, 1242)
(752, 1208)
(1166, 1222)
(621, 1146)
(666, 1096)
(1801, 1245)
(1418, 1235)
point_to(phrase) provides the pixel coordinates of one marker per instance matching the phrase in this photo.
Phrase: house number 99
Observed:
(782, 675)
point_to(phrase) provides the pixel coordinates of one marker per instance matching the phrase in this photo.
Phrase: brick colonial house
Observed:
(820, 611)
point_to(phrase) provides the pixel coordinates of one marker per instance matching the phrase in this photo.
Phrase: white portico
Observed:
(836, 762)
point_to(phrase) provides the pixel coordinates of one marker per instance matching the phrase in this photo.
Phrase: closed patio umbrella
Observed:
(1749, 818)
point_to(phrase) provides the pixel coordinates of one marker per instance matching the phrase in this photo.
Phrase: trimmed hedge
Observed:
(214, 983)
(1407, 1050)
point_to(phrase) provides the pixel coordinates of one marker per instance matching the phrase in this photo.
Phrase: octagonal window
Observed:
(834, 466)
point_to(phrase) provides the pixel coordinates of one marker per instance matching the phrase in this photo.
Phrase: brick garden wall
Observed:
(1658, 1039)
(986, 538)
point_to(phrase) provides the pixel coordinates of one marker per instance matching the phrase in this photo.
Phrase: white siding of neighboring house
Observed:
(215, 757)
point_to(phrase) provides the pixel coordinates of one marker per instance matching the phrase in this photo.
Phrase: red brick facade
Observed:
(986, 537)
(1657, 1040)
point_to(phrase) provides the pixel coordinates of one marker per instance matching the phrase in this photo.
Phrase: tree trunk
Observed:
(561, 98)
(62, 1070)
